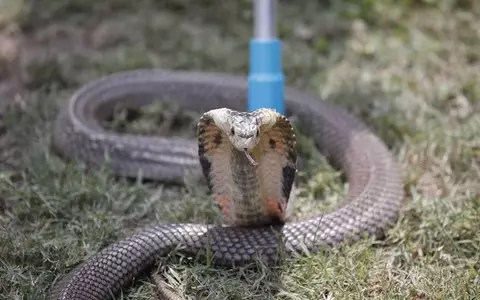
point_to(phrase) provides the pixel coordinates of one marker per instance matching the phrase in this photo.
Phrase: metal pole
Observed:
(265, 19)
(265, 80)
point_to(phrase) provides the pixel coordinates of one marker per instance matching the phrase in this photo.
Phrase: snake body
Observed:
(372, 203)
(249, 160)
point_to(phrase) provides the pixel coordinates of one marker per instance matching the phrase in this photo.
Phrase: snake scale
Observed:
(375, 187)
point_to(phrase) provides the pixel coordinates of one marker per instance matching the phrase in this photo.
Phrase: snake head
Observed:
(244, 131)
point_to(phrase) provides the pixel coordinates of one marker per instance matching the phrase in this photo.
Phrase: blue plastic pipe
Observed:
(266, 79)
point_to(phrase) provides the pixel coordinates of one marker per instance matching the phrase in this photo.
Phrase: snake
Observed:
(372, 202)
(249, 161)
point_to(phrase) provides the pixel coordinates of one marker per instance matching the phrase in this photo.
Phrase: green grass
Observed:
(410, 69)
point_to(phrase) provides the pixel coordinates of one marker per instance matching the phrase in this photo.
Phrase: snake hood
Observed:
(249, 160)
(242, 128)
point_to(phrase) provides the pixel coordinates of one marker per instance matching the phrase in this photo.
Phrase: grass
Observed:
(409, 68)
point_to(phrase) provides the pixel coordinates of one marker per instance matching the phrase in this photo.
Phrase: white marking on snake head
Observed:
(242, 128)
(244, 133)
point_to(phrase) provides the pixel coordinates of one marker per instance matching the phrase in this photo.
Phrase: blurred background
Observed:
(409, 68)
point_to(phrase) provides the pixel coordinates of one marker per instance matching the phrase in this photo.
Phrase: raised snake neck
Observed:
(374, 196)
(249, 160)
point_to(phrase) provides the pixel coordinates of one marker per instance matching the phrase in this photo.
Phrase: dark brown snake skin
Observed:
(372, 204)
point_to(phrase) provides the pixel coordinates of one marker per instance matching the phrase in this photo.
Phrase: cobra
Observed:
(249, 161)
(372, 204)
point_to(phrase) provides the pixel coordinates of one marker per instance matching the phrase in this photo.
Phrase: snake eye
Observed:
(232, 131)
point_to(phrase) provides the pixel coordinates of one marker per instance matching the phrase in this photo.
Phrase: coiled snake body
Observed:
(372, 203)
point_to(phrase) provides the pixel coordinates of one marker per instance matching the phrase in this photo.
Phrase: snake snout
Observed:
(244, 144)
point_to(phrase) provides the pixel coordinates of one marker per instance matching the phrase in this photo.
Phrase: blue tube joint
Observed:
(266, 80)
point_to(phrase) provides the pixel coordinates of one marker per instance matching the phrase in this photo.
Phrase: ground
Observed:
(410, 69)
